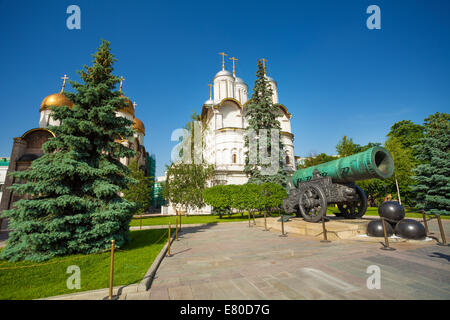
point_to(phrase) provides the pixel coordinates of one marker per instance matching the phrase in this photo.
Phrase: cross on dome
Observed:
(64, 82)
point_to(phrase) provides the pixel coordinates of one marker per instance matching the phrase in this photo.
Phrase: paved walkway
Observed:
(232, 261)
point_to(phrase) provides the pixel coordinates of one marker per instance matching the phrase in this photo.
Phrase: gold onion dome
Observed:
(138, 126)
(55, 100)
(129, 108)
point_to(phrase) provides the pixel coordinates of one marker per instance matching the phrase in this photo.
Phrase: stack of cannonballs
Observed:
(395, 222)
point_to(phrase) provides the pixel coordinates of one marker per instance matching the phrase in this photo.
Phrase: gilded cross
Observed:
(134, 104)
(264, 64)
(223, 54)
(210, 91)
(234, 70)
(64, 82)
(121, 82)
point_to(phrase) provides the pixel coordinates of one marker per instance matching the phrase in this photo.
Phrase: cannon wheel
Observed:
(353, 210)
(312, 203)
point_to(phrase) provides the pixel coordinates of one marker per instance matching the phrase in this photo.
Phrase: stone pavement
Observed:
(233, 261)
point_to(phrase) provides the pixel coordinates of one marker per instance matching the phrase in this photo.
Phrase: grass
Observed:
(191, 219)
(49, 278)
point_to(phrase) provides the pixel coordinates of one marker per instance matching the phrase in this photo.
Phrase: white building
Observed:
(4, 163)
(224, 124)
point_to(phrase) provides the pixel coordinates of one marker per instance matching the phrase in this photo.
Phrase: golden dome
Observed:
(129, 108)
(55, 100)
(138, 126)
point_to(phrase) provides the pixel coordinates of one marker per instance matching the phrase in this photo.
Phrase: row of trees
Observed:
(226, 199)
(422, 163)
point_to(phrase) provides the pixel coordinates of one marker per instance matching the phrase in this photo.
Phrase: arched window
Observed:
(234, 158)
(288, 160)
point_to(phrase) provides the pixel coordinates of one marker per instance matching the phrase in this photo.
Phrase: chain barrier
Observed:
(73, 258)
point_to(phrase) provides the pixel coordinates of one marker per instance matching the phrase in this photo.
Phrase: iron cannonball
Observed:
(391, 211)
(410, 229)
(375, 229)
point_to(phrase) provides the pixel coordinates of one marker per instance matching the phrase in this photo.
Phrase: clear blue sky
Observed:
(334, 75)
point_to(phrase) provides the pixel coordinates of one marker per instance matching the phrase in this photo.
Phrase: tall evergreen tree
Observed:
(262, 114)
(432, 192)
(73, 203)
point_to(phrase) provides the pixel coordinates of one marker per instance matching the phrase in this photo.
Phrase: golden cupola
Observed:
(56, 99)
(128, 107)
(138, 126)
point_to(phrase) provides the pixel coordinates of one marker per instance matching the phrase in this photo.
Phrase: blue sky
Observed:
(334, 75)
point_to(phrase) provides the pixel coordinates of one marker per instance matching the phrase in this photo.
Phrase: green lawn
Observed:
(152, 221)
(49, 278)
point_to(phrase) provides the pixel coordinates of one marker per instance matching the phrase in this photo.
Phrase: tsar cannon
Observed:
(333, 182)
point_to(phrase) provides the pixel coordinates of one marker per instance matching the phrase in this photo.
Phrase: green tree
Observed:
(407, 132)
(73, 203)
(237, 198)
(347, 147)
(141, 192)
(313, 160)
(262, 114)
(185, 184)
(432, 192)
(220, 198)
(186, 178)
(404, 163)
(272, 196)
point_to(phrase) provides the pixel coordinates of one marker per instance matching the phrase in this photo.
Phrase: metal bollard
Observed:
(441, 229)
(425, 222)
(325, 238)
(265, 222)
(282, 227)
(386, 241)
(176, 229)
(168, 243)
(111, 270)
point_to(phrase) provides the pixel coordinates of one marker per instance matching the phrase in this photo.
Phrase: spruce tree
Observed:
(432, 192)
(72, 202)
(262, 114)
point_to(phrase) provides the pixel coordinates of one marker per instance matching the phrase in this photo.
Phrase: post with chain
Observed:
(111, 270)
(168, 243)
(441, 229)
(325, 238)
(386, 240)
(283, 234)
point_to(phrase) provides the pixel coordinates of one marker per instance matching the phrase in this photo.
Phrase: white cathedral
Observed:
(224, 124)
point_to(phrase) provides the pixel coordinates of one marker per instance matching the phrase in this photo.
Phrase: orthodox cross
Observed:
(223, 54)
(64, 82)
(121, 82)
(210, 91)
(264, 64)
(234, 71)
(134, 105)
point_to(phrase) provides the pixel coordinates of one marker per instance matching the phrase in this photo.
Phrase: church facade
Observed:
(28, 147)
(224, 124)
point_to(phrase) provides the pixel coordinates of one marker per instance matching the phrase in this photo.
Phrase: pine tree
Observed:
(73, 203)
(262, 114)
(432, 192)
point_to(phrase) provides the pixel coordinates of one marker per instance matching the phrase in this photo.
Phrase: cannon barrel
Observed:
(375, 162)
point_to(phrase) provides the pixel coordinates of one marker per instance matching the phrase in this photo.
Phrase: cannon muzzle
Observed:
(375, 162)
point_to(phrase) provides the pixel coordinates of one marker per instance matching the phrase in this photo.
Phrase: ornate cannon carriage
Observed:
(333, 183)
